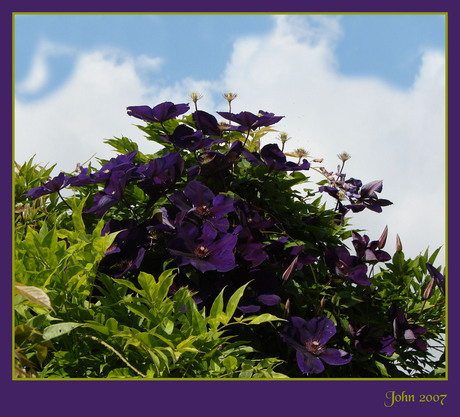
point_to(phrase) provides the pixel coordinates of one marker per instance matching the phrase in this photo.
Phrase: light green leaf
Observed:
(233, 302)
(217, 311)
(382, 369)
(98, 327)
(230, 363)
(167, 326)
(164, 283)
(127, 283)
(141, 310)
(77, 210)
(263, 318)
(56, 330)
(198, 322)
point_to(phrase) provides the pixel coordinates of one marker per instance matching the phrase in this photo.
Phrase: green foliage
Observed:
(72, 319)
(128, 331)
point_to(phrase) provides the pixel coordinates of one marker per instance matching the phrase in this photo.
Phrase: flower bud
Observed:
(383, 238)
(290, 269)
(287, 307)
(321, 305)
(429, 289)
(398, 244)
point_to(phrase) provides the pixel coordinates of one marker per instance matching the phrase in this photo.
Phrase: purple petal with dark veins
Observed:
(321, 329)
(308, 363)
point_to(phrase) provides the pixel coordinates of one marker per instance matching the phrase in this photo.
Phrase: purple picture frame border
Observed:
(223, 398)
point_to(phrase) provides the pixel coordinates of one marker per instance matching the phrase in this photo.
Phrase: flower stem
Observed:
(65, 202)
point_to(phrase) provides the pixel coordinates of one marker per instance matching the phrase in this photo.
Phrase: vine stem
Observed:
(65, 202)
(116, 353)
(421, 311)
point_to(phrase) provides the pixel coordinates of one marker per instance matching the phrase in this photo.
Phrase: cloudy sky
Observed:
(370, 85)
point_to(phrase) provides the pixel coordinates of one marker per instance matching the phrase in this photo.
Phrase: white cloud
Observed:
(392, 134)
(149, 64)
(39, 72)
(69, 125)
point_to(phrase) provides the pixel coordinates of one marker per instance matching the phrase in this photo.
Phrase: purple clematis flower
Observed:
(197, 200)
(112, 194)
(366, 344)
(206, 250)
(128, 248)
(158, 114)
(340, 262)
(160, 174)
(368, 251)
(185, 137)
(52, 186)
(249, 248)
(368, 198)
(251, 218)
(360, 196)
(171, 218)
(207, 123)
(405, 332)
(292, 258)
(123, 162)
(250, 121)
(272, 157)
(387, 342)
(83, 178)
(309, 340)
(212, 163)
(438, 277)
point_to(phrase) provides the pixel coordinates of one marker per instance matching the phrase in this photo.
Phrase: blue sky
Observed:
(387, 46)
(371, 85)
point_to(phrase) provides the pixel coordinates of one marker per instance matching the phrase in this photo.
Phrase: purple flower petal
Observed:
(269, 299)
(52, 186)
(335, 356)
(438, 277)
(321, 329)
(158, 114)
(308, 363)
(249, 309)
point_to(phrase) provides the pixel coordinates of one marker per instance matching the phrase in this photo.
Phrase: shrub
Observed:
(215, 257)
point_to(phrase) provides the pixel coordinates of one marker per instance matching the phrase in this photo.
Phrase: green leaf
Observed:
(230, 363)
(198, 322)
(98, 327)
(217, 311)
(56, 330)
(382, 369)
(164, 283)
(263, 318)
(434, 255)
(141, 310)
(167, 326)
(148, 284)
(77, 210)
(233, 302)
(128, 284)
